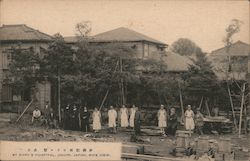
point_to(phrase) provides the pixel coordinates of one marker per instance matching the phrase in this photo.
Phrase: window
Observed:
(6, 93)
(145, 50)
(5, 60)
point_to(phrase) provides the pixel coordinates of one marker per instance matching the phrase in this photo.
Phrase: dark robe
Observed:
(74, 120)
(137, 122)
(85, 121)
(52, 120)
(66, 119)
(172, 125)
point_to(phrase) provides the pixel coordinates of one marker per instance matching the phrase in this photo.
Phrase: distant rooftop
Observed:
(121, 34)
(176, 62)
(219, 59)
(21, 32)
(238, 48)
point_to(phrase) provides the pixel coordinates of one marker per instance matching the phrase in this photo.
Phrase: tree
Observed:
(184, 46)
(24, 71)
(99, 71)
(201, 81)
(83, 30)
(57, 62)
(233, 28)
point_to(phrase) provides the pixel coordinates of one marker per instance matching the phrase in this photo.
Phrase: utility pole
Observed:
(122, 84)
(59, 96)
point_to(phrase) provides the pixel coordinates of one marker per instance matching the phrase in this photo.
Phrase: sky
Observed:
(202, 21)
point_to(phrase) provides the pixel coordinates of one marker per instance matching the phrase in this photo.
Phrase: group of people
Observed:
(75, 119)
(168, 123)
(49, 118)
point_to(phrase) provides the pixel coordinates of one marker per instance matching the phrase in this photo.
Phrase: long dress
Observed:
(74, 120)
(189, 121)
(112, 114)
(137, 122)
(172, 124)
(96, 120)
(162, 118)
(124, 117)
(84, 115)
(132, 117)
(66, 119)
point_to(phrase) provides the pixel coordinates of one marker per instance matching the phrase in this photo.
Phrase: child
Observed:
(189, 119)
(162, 119)
(199, 122)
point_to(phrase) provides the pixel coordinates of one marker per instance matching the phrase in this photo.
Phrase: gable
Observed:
(21, 33)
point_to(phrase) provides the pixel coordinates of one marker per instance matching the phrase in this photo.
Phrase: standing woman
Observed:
(172, 122)
(162, 119)
(189, 119)
(137, 121)
(84, 116)
(66, 118)
(74, 119)
(96, 120)
(124, 116)
(132, 116)
(112, 115)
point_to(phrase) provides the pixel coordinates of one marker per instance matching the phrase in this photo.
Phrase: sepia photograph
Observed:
(134, 80)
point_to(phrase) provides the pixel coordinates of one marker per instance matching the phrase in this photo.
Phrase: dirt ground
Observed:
(153, 144)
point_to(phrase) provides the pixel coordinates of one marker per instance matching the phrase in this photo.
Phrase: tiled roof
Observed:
(22, 33)
(238, 48)
(176, 62)
(121, 34)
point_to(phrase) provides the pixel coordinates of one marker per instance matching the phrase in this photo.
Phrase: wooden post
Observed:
(181, 101)
(201, 102)
(24, 111)
(104, 99)
(241, 107)
(232, 106)
(122, 85)
(208, 111)
(106, 95)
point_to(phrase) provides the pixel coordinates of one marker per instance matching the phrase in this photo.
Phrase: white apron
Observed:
(132, 117)
(124, 117)
(162, 118)
(189, 121)
(96, 120)
(112, 114)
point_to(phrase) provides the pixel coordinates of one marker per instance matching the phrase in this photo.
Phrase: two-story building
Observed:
(236, 56)
(231, 64)
(143, 45)
(12, 36)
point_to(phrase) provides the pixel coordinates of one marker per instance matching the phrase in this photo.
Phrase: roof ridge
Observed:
(22, 32)
(36, 32)
(238, 41)
(140, 36)
(12, 25)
